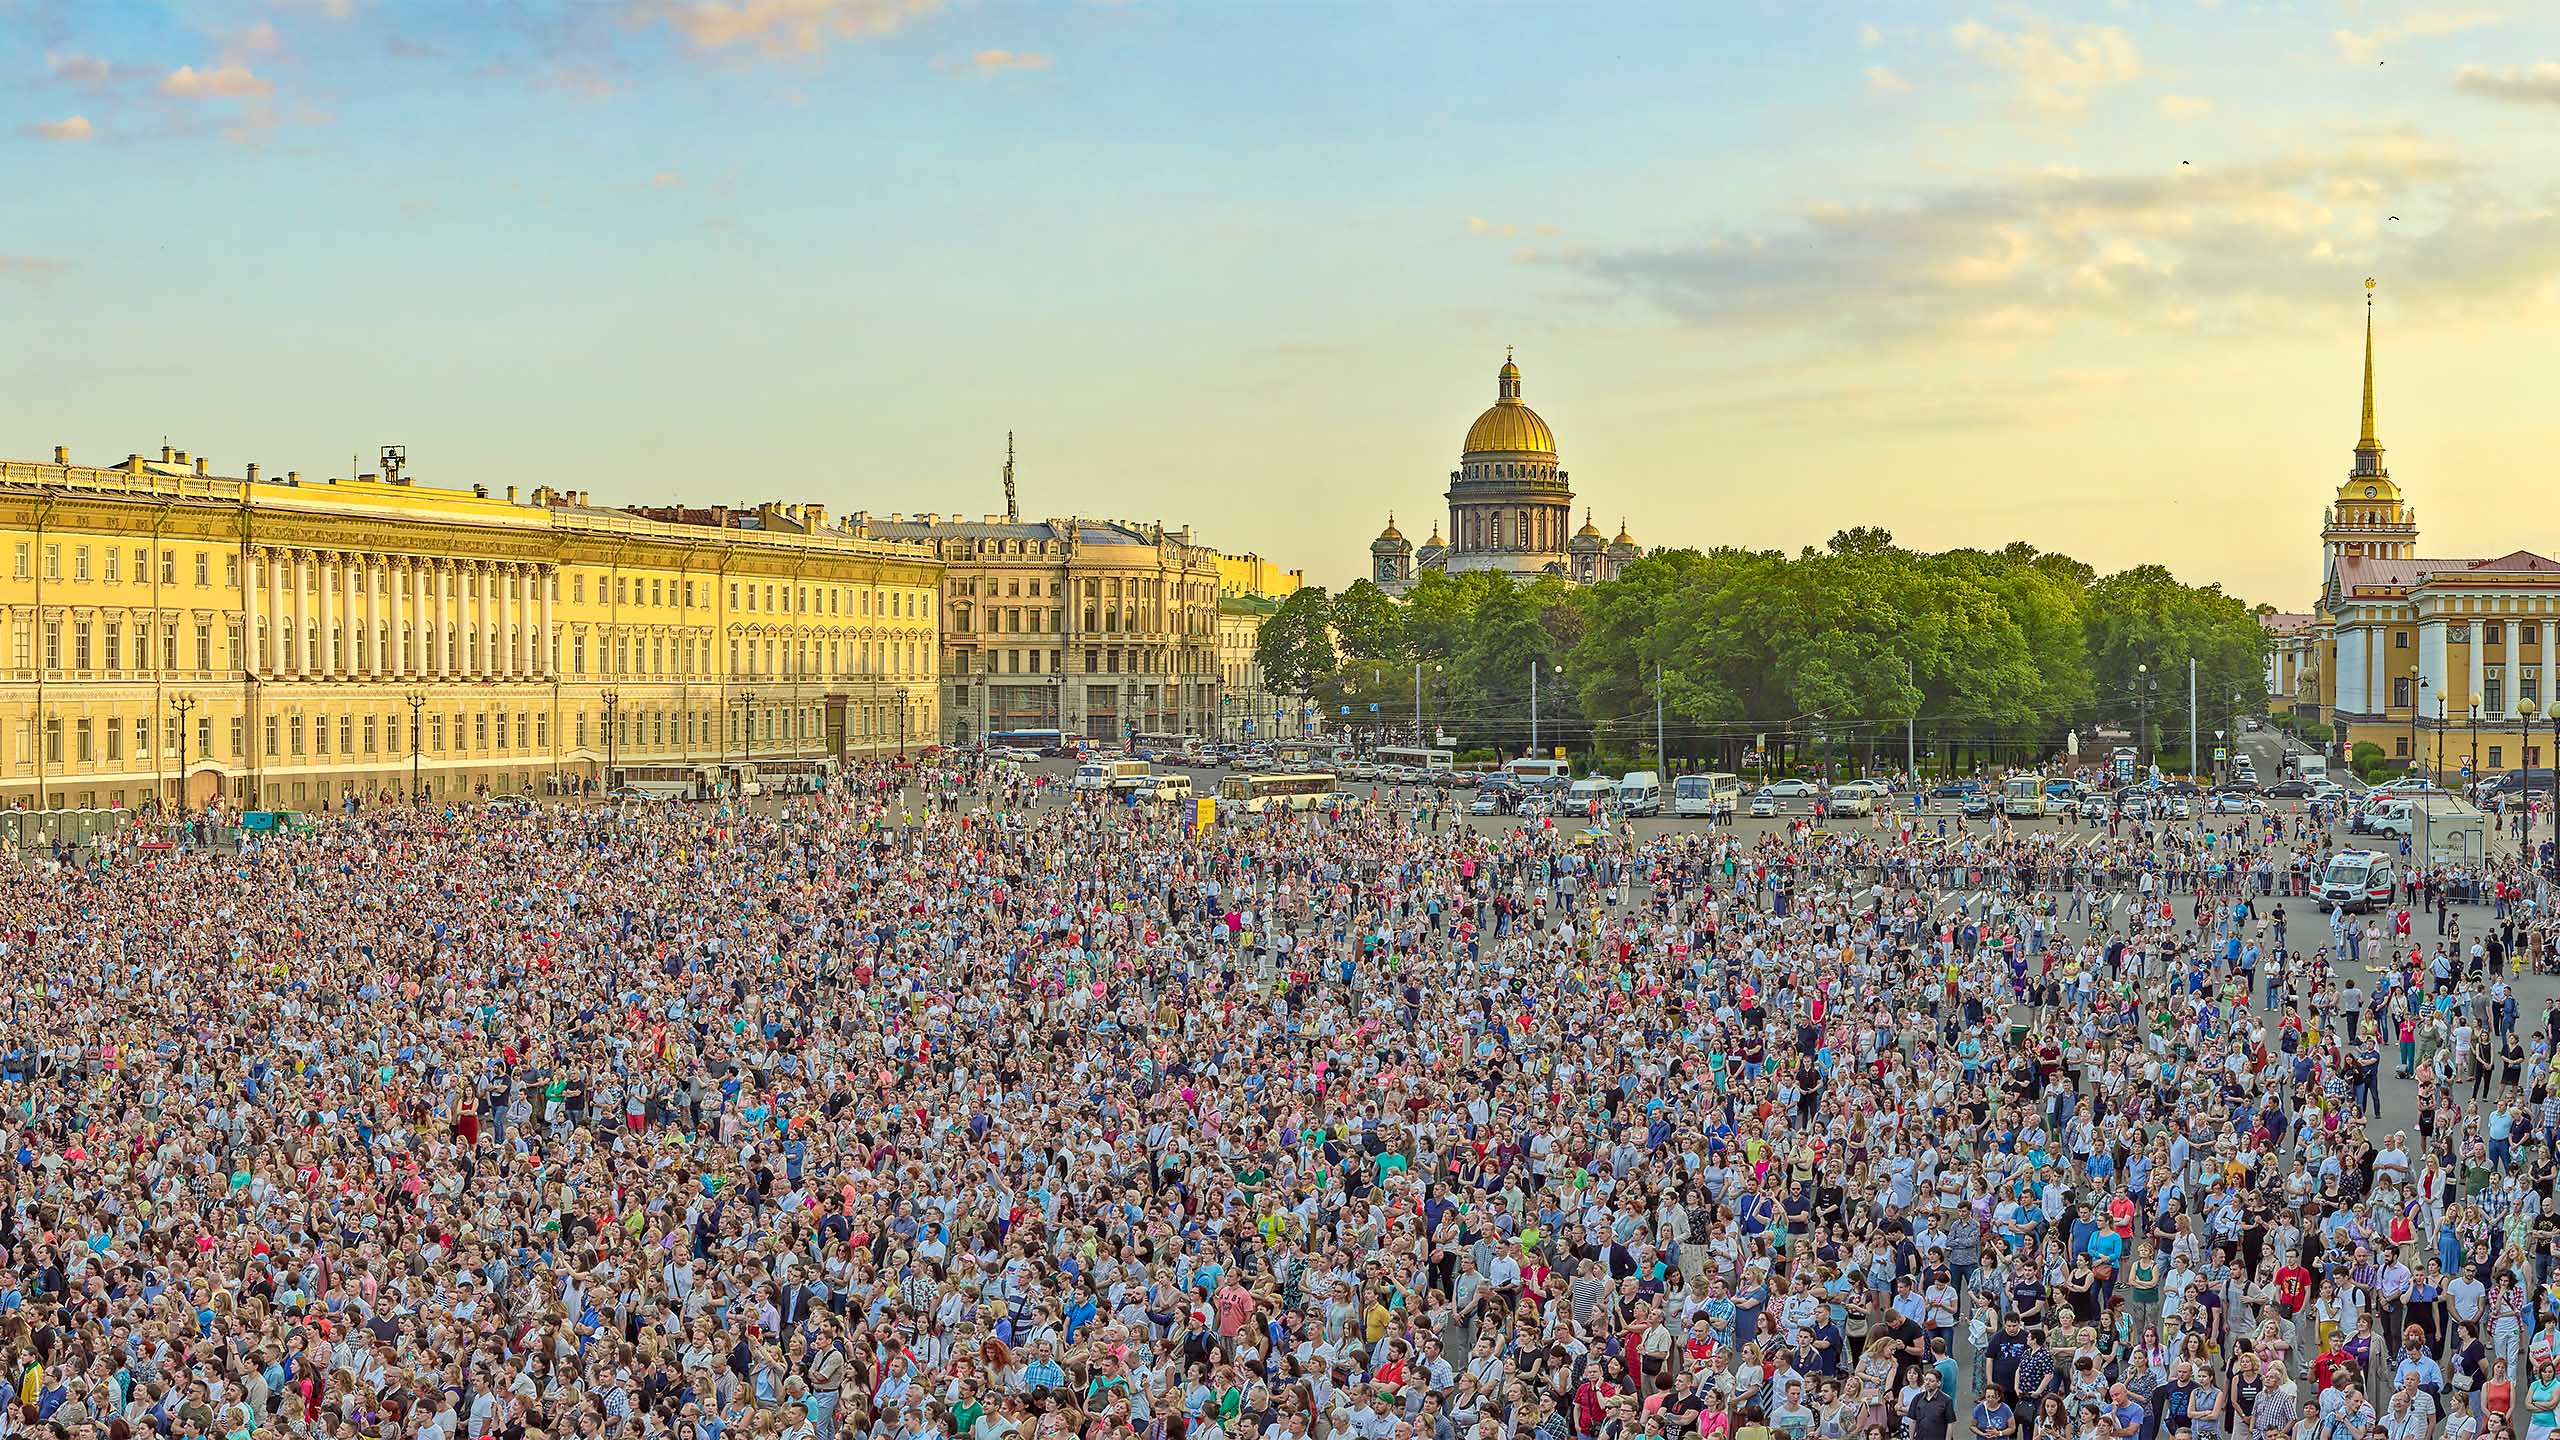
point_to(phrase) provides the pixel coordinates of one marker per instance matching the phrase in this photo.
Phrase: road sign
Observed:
(2220, 754)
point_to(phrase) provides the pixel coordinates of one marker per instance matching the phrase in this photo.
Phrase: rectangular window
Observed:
(2400, 746)
(88, 742)
(2497, 758)
(293, 733)
(239, 735)
(115, 742)
(319, 734)
(230, 572)
(115, 571)
(169, 646)
(80, 646)
(168, 567)
(2493, 691)
(2400, 641)
(80, 562)
(53, 562)
(20, 571)
(369, 733)
(2400, 697)
(204, 568)
(115, 646)
(347, 734)
(53, 742)
(204, 647)
(271, 737)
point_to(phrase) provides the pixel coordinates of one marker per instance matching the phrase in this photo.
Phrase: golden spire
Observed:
(2367, 439)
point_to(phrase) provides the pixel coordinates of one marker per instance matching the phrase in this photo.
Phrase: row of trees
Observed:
(1840, 648)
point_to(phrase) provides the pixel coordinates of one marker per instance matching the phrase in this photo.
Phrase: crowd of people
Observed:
(949, 1106)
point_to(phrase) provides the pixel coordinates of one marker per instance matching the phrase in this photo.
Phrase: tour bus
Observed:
(796, 777)
(2356, 881)
(1112, 774)
(1710, 796)
(1290, 754)
(2023, 797)
(1255, 793)
(1414, 757)
(663, 782)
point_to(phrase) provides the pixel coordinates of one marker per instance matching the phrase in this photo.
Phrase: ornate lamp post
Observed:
(182, 704)
(417, 703)
(747, 725)
(612, 733)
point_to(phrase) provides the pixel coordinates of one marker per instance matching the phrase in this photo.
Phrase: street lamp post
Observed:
(182, 704)
(612, 733)
(2475, 740)
(2528, 708)
(417, 703)
(2142, 698)
(2417, 702)
(747, 704)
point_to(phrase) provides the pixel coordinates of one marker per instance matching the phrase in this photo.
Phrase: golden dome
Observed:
(1587, 527)
(1509, 427)
(1623, 537)
(1391, 532)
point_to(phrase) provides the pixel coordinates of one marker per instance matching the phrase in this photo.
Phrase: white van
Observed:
(1533, 771)
(2357, 880)
(1599, 787)
(1171, 789)
(1640, 793)
(2311, 767)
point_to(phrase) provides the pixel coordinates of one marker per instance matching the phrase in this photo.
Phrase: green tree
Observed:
(1295, 648)
(1368, 624)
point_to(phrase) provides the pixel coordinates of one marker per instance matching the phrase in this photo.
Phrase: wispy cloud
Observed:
(779, 27)
(578, 79)
(2025, 256)
(2057, 70)
(2185, 107)
(1478, 225)
(324, 9)
(666, 180)
(33, 269)
(994, 62)
(215, 82)
(90, 73)
(2418, 25)
(1881, 81)
(2536, 84)
(70, 127)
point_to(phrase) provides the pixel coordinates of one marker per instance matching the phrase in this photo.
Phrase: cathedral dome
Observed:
(1509, 427)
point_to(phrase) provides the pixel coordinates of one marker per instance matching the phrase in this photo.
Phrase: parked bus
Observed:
(1166, 747)
(796, 777)
(663, 782)
(2022, 797)
(1113, 774)
(1042, 741)
(1415, 757)
(1711, 796)
(1310, 752)
(1254, 794)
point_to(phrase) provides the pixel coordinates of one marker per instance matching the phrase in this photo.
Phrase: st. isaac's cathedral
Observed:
(1510, 509)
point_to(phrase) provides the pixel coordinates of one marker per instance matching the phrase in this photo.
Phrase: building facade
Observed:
(1096, 628)
(2433, 660)
(1510, 508)
(1250, 590)
(285, 644)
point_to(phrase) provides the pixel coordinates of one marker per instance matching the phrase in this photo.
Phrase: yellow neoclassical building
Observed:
(284, 643)
(2435, 661)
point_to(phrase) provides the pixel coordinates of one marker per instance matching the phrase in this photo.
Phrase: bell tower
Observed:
(2370, 518)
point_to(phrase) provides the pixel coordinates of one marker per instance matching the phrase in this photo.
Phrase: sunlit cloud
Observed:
(217, 82)
(1478, 225)
(2420, 25)
(779, 27)
(1881, 81)
(2536, 84)
(2031, 254)
(70, 127)
(995, 62)
(2185, 107)
(2057, 70)
(666, 180)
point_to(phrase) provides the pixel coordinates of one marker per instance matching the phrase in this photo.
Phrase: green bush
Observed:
(2368, 761)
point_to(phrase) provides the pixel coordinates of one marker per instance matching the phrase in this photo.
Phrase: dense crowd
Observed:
(940, 1105)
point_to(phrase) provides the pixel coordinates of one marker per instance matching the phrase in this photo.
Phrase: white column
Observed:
(350, 573)
(2480, 671)
(395, 659)
(445, 657)
(517, 624)
(373, 654)
(250, 580)
(2515, 664)
(278, 566)
(2351, 665)
(475, 598)
(301, 613)
(2551, 677)
(2433, 667)
(324, 566)
(546, 657)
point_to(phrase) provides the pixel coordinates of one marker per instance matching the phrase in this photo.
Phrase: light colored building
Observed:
(1097, 628)
(2432, 659)
(284, 644)
(1253, 575)
(1510, 508)
(1246, 710)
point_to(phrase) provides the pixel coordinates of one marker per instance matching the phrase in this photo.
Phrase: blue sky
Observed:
(1772, 269)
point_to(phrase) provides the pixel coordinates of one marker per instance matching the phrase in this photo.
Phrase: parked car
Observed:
(2288, 790)
(1487, 802)
(1763, 804)
(2097, 807)
(1794, 787)
(2234, 802)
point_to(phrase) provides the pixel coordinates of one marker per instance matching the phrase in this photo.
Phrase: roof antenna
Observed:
(1012, 512)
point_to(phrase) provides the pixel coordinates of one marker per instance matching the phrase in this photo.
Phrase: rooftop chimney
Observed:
(61, 454)
(200, 462)
(511, 494)
(168, 456)
(253, 472)
(293, 477)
